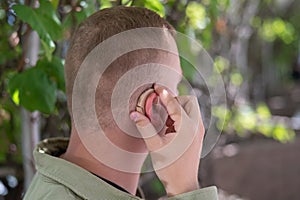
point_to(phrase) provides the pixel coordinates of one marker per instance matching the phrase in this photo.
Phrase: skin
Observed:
(181, 175)
(79, 155)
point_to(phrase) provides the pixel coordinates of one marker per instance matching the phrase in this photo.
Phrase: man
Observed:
(84, 167)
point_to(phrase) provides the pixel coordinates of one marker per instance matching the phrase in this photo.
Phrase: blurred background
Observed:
(254, 45)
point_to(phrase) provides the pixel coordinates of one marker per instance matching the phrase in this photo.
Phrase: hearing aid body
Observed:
(145, 101)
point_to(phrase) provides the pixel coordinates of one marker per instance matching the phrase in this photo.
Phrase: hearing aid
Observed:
(145, 101)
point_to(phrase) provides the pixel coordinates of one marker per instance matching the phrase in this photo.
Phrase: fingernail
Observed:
(164, 92)
(133, 116)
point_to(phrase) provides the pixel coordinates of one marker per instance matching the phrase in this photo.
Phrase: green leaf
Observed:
(263, 111)
(157, 186)
(105, 4)
(223, 114)
(156, 6)
(46, 9)
(2, 14)
(15, 97)
(80, 16)
(282, 133)
(236, 79)
(36, 90)
(44, 21)
(126, 3)
(88, 7)
(54, 70)
(196, 15)
(213, 9)
(221, 64)
(49, 48)
(54, 3)
(187, 55)
(245, 118)
(188, 69)
(265, 127)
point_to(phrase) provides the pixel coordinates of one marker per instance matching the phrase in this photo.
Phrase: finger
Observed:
(190, 105)
(171, 104)
(182, 100)
(159, 116)
(148, 132)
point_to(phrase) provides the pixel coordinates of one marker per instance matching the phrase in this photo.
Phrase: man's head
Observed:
(101, 26)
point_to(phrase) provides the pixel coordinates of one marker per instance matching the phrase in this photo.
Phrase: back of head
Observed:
(99, 27)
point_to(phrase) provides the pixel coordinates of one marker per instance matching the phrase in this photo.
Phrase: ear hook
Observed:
(140, 107)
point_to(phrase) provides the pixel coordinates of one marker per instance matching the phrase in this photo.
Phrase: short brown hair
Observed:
(100, 26)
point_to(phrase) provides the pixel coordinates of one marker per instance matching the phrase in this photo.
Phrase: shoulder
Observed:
(44, 188)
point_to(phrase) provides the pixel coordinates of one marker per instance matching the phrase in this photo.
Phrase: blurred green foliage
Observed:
(271, 29)
(245, 120)
(44, 21)
(35, 88)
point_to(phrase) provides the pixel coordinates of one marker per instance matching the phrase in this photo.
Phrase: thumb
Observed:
(148, 132)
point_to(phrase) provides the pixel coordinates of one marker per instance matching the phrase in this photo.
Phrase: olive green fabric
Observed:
(57, 178)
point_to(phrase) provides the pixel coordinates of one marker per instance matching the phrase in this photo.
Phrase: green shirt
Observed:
(58, 179)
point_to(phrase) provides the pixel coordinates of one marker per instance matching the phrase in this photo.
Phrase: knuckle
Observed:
(193, 98)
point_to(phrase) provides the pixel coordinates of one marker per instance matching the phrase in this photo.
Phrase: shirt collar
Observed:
(77, 179)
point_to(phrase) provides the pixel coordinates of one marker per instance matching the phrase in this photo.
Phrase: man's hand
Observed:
(175, 151)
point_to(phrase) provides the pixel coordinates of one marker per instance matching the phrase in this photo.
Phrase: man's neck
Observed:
(79, 155)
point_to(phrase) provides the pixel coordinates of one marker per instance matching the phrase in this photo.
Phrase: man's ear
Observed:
(148, 105)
